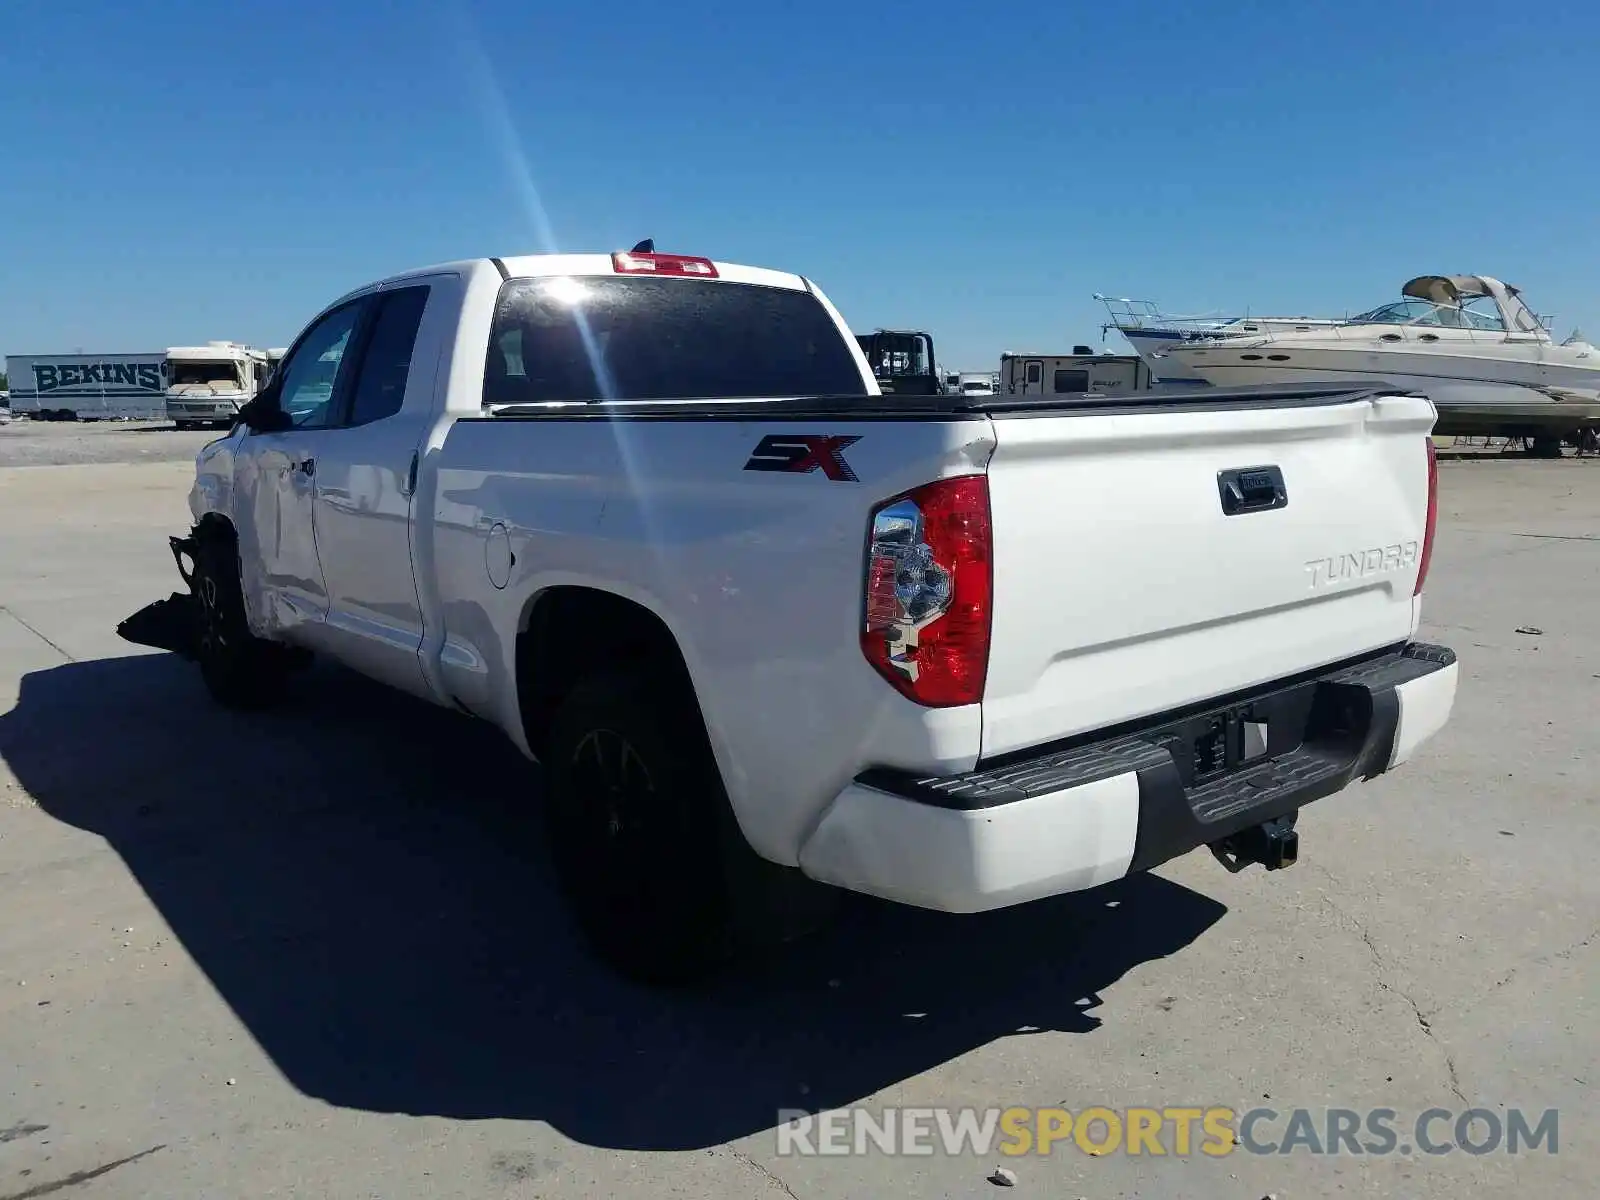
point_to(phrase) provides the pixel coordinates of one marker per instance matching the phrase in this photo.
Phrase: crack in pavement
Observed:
(79, 1177)
(1547, 959)
(758, 1168)
(1562, 537)
(1423, 1021)
(12, 613)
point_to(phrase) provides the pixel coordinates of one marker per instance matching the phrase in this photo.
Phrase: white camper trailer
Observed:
(1082, 371)
(70, 387)
(207, 385)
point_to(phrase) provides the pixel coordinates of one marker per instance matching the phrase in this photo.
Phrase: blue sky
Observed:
(180, 171)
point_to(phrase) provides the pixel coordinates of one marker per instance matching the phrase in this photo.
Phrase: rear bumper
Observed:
(1090, 811)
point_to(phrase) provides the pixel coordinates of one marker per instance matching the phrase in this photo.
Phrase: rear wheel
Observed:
(633, 818)
(240, 670)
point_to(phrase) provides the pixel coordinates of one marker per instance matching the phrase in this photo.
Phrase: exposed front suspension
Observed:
(172, 624)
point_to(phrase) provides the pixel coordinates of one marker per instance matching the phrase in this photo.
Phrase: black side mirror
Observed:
(262, 414)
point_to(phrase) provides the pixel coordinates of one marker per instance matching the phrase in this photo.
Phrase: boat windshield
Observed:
(1479, 312)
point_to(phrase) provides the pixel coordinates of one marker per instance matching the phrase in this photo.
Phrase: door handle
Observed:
(1251, 489)
(411, 473)
(306, 467)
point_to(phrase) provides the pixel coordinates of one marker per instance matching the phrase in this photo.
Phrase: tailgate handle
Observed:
(1251, 489)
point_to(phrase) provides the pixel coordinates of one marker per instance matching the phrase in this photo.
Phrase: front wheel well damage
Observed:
(210, 526)
(173, 624)
(570, 633)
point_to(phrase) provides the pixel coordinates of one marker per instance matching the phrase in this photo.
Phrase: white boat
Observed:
(1468, 342)
(1153, 333)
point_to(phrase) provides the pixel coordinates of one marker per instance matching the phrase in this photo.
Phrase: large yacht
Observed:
(1469, 342)
(1153, 333)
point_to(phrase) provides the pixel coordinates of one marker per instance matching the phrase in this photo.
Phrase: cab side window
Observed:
(311, 374)
(380, 387)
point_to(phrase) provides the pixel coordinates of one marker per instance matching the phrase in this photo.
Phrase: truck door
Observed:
(367, 470)
(275, 483)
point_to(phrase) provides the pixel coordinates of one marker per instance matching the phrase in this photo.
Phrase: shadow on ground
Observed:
(359, 876)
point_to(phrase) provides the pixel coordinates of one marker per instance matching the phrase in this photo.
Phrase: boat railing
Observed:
(1129, 314)
(1146, 315)
(1354, 329)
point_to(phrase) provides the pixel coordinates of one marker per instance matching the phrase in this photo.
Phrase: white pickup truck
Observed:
(651, 516)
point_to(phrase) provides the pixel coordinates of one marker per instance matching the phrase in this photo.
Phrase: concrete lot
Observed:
(317, 954)
(54, 443)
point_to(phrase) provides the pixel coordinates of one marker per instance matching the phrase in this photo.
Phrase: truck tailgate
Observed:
(1145, 557)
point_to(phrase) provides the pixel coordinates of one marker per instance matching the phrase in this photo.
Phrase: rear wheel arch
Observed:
(569, 633)
(591, 661)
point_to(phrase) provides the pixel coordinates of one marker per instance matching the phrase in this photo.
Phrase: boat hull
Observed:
(1466, 406)
(1155, 344)
(1152, 345)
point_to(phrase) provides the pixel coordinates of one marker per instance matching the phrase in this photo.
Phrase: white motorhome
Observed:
(70, 387)
(207, 385)
(1066, 374)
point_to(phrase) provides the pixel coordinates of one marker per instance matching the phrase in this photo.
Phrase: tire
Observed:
(633, 814)
(240, 670)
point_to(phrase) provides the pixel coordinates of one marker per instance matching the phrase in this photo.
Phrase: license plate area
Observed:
(1228, 739)
(1233, 738)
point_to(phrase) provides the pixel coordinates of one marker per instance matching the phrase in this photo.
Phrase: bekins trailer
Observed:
(88, 386)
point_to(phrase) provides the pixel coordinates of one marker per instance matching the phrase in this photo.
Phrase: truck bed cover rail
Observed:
(950, 407)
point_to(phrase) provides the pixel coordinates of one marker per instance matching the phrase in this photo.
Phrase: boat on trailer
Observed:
(1468, 342)
(1153, 333)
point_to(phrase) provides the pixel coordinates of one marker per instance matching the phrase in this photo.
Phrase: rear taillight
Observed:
(630, 263)
(929, 590)
(1433, 518)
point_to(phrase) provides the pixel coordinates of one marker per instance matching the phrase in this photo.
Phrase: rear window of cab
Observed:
(578, 338)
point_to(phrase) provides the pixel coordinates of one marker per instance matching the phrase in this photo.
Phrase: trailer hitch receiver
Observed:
(1274, 844)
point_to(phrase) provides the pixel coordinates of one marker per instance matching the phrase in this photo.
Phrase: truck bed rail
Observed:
(950, 407)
